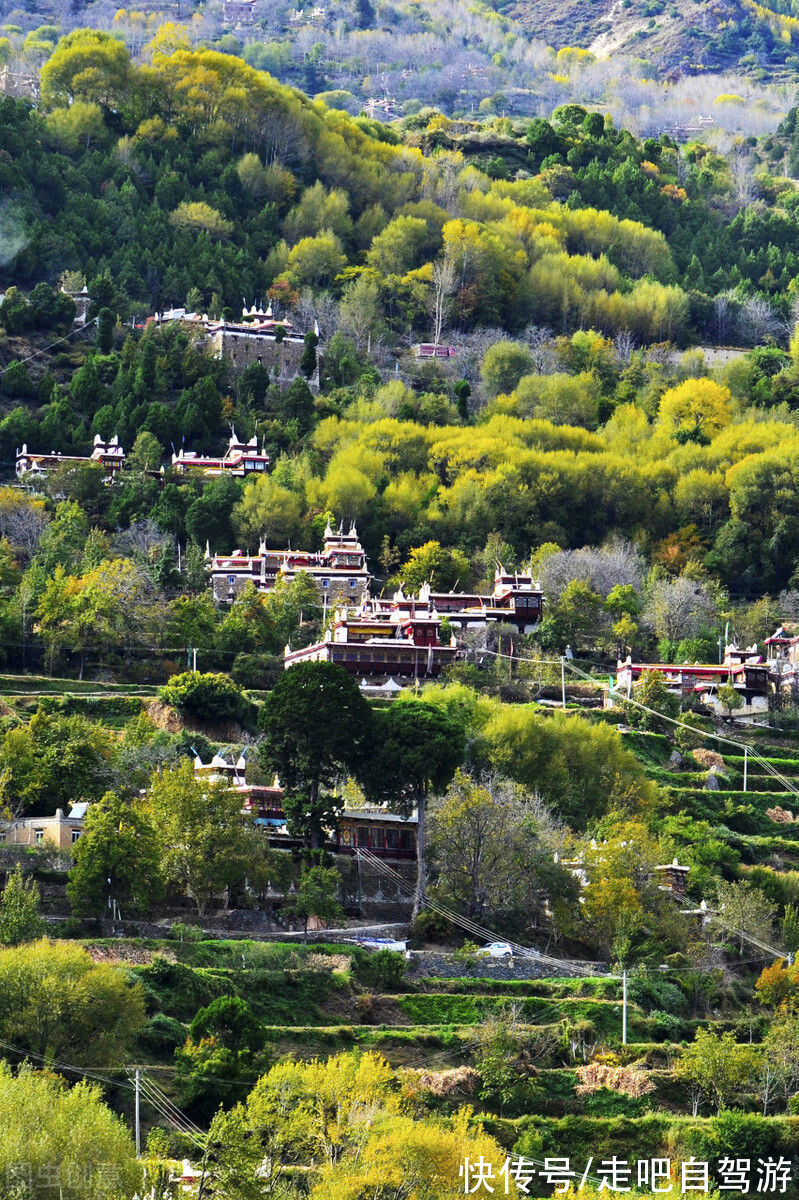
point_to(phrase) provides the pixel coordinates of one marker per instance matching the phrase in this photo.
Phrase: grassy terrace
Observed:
(43, 685)
(316, 1001)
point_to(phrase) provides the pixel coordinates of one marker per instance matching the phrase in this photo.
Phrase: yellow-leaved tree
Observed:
(696, 410)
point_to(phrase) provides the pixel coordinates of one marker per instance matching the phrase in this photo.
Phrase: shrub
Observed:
(208, 697)
(384, 970)
(229, 1021)
(657, 994)
(17, 381)
(162, 1035)
(186, 933)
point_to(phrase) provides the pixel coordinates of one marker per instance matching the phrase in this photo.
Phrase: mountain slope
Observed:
(679, 35)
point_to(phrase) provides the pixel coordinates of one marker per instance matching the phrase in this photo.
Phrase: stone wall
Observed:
(368, 894)
(440, 965)
(281, 359)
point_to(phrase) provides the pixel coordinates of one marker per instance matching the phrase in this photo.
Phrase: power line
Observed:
(466, 923)
(80, 329)
(750, 752)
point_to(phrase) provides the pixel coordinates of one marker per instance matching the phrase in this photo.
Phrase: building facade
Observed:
(516, 600)
(240, 458)
(108, 454)
(381, 640)
(339, 570)
(745, 671)
(58, 832)
(258, 337)
(375, 829)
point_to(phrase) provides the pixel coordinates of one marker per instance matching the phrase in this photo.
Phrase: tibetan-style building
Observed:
(381, 640)
(108, 454)
(745, 671)
(240, 458)
(339, 570)
(258, 336)
(516, 600)
(375, 829)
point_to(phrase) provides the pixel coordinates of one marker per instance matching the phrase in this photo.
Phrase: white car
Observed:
(498, 950)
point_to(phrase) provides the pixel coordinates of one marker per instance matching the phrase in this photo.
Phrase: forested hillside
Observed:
(540, 359)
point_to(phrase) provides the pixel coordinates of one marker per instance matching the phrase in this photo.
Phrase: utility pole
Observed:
(563, 678)
(746, 765)
(194, 660)
(138, 1121)
(624, 1008)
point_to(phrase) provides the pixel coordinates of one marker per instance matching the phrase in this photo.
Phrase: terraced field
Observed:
(318, 1000)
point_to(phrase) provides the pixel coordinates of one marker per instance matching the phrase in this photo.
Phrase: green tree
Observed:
(581, 770)
(87, 65)
(432, 563)
(317, 728)
(146, 453)
(297, 404)
(46, 1124)
(718, 1069)
(115, 857)
(491, 861)
(78, 126)
(54, 761)
(575, 617)
(504, 1084)
(200, 217)
(229, 1020)
(398, 248)
(790, 928)
(56, 1002)
(503, 366)
(106, 322)
(270, 510)
(652, 693)
(205, 840)
(416, 751)
(192, 621)
(111, 605)
(14, 312)
(19, 910)
(17, 380)
(729, 698)
(315, 261)
(317, 896)
(308, 362)
(744, 913)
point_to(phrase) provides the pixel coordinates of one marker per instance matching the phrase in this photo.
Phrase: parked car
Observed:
(498, 950)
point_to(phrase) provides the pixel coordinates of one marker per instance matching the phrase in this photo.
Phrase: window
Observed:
(392, 839)
(231, 578)
(363, 837)
(75, 835)
(353, 583)
(325, 583)
(406, 839)
(38, 836)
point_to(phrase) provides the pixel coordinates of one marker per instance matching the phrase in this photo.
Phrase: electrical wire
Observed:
(169, 1104)
(751, 754)
(169, 1111)
(466, 923)
(58, 341)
